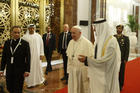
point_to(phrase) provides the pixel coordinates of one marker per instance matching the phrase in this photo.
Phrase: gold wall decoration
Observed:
(4, 22)
(27, 11)
(28, 15)
(55, 19)
(49, 9)
(30, 1)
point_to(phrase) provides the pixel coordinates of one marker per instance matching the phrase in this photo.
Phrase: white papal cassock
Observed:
(78, 81)
(37, 49)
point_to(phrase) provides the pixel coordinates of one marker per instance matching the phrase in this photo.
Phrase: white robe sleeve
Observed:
(68, 54)
(104, 72)
(106, 58)
(111, 50)
(69, 66)
(41, 47)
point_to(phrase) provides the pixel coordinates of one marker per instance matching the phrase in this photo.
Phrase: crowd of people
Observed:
(88, 68)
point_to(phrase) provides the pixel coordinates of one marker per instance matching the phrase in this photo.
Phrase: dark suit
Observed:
(21, 63)
(48, 49)
(124, 48)
(62, 50)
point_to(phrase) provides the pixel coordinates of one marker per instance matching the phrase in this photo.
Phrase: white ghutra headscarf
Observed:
(30, 25)
(102, 34)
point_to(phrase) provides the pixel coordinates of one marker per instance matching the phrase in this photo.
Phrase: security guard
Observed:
(124, 47)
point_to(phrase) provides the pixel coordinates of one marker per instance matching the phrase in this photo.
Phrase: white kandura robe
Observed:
(103, 72)
(36, 47)
(78, 81)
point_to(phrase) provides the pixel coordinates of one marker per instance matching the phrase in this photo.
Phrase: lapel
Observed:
(68, 35)
(49, 36)
(45, 35)
(62, 34)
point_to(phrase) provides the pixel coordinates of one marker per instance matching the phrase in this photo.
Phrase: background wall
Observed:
(83, 14)
(116, 13)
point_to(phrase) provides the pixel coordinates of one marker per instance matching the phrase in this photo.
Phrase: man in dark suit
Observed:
(63, 42)
(124, 47)
(16, 60)
(49, 41)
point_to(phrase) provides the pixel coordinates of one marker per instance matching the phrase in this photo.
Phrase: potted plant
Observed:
(133, 24)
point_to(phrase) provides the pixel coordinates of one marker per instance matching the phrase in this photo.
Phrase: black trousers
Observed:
(65, 61)
(121, 74)
(14, 82)
(48, 55)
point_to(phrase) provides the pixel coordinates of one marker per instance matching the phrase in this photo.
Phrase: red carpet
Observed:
(132, 77)
(63, 90)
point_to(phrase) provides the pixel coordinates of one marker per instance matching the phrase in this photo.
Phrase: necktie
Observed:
(47, 39)
(64, 41)
(95, 56)
(14, 43)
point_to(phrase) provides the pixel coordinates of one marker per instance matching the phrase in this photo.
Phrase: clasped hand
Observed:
(82, 58)
(1, 74)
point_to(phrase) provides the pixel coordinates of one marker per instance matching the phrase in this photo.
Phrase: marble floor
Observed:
(53, 79)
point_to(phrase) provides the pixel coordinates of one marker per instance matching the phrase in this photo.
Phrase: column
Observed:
(70, 12)
(42, 23)
(61, 15)
(93, 13)
(14, 12)
(138, 41)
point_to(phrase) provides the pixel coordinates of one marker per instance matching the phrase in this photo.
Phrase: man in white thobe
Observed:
(78, 81)
(105, 64)
(37, 52)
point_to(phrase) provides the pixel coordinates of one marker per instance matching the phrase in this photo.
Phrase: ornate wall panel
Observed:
(30, 1)
(4, 22)
(55, 19)
(49, 12)
(28, 12)
(28, 15)
(70, 12)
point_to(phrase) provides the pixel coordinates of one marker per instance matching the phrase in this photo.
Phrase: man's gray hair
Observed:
(77, 27)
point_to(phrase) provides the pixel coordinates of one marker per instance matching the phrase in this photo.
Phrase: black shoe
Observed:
(46, 72)
(120, 88)
(49, 70)
(45, 82)
(64, 78)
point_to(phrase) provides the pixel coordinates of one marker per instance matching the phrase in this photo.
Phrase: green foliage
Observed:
(134, 26)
